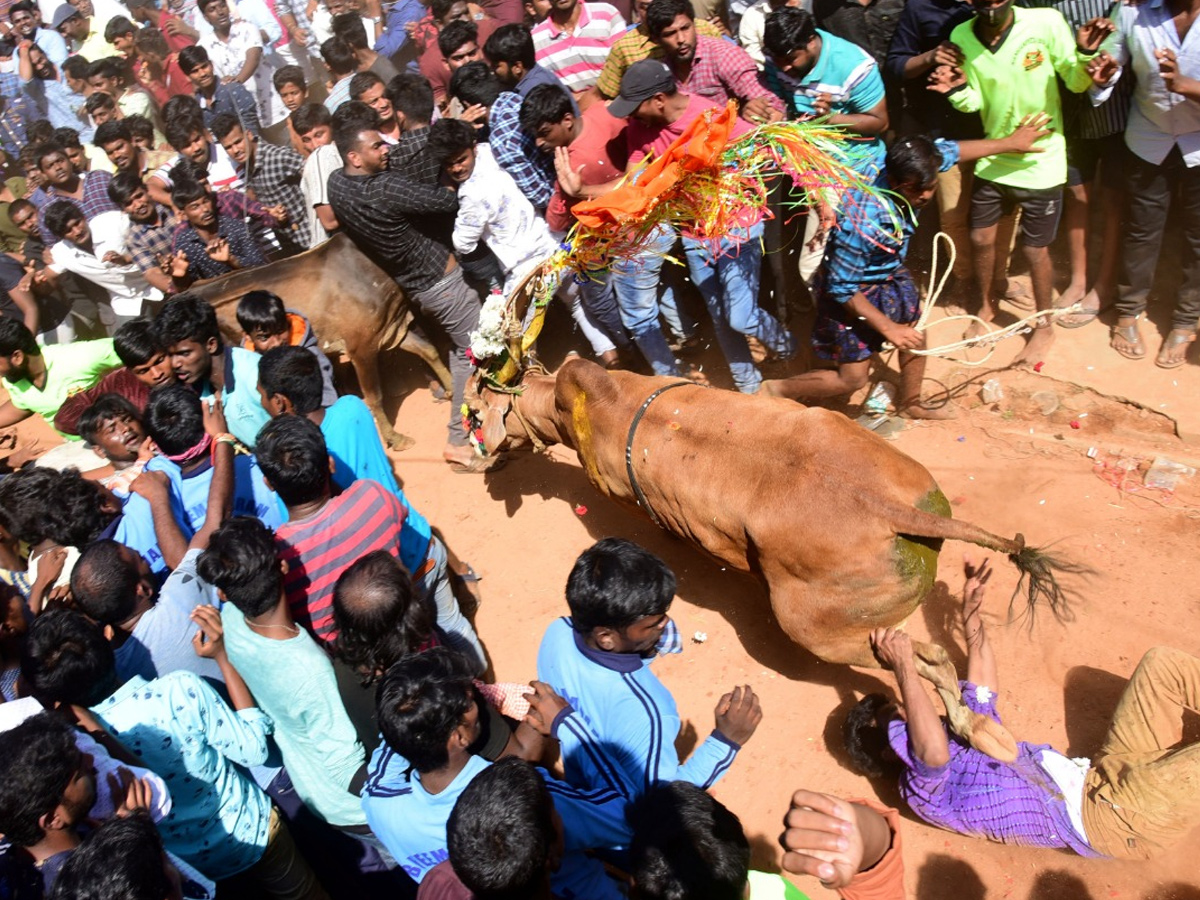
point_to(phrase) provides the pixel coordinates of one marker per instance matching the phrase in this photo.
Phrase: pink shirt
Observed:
(645, 140)
(577, 58)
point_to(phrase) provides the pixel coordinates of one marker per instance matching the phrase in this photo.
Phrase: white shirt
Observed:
(314, 182)
(228, 57)
(127, 287)
(750, 29)
(492, 208)
(222, 174)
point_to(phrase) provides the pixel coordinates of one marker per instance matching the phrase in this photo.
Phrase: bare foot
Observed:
(976, 329)
(922, 409)
(758, 350)
(769, 389)
(1016, 293)
(1037, 347)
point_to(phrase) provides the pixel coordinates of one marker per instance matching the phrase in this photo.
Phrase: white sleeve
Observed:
(105, 808)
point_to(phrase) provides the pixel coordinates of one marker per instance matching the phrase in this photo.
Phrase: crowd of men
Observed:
(236, 659)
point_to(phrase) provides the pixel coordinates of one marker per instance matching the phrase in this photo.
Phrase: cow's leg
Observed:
(415, 342)
(980, 731)
(365, 360)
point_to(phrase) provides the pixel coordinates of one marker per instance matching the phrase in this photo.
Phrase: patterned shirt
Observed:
(722, 71)
(14, 112)
(183, 731)
(578, 57)
(973, 794)
(275, 179)
(865, 248)
(93, 201)
(148, 242)
(242, 245)
(52, 100)
(319, 548)
(518, 153)
(634, 46)
(233, 99)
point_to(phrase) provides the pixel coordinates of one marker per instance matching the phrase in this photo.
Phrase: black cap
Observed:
(640, 82)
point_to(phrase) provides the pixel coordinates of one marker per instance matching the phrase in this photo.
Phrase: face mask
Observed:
(994, 16)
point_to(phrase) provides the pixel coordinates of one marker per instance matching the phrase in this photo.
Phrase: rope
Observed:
(991, 336)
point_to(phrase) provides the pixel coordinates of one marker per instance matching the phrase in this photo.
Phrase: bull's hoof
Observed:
(397, 441)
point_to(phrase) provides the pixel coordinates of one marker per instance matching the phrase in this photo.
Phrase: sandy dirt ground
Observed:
(1005, 466)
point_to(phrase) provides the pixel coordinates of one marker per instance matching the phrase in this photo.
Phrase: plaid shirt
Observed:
(517, 152)
(378, 213)
(147, 243)
(577, 57)
(275, 180)
(95, 200)
(13, 114)
(634, 46)
(241, 244)
(722, 71)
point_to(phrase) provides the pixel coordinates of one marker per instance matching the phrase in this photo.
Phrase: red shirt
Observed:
(600, 150)
(433, 65)
(644, 140)
(319, 548)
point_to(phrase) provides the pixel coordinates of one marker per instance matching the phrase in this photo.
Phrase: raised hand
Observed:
(1091, 34)
(1025, 136)
(945, 79)
(1102, 69)
(945, 54)
(892, 648)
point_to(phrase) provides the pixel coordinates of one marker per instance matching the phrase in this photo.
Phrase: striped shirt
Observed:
(578, 57)
(319, 548)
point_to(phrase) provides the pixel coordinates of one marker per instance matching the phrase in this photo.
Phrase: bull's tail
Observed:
(1040, 569)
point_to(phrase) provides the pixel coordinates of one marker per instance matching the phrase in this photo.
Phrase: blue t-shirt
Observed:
(135, 529)
(353, 441)
(251, 496)
(244, 413)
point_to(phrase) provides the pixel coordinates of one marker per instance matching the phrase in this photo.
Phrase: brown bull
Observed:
(352, 304)
(843, 528)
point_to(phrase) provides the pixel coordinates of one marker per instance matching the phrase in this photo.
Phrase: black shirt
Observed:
(870, 26)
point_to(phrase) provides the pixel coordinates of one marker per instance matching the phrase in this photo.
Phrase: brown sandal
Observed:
(1133, 348)
(1176, 337)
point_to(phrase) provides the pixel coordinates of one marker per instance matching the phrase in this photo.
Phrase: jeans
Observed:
(1150, 190)
(636, 282)
(600, 304)
(455, 307)
(729, 285)
(435, 586)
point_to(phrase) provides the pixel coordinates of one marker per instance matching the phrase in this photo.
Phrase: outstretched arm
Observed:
(925, 731)
(981, 660)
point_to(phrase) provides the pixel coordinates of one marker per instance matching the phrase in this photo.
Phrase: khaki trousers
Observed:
(1143, 791)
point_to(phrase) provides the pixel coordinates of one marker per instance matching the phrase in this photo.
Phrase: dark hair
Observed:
(189, 170)
(14, 336)
(58, 216)
(48, 148)
(38, 759)
(614, 583)
(349, 122)
(222, 124)
(67, 660)
(192, 57)
(180, 128)
(139, 128)
(787, 30)
(182, 105)
(439, 8)
(455, 35)
(296, 374)
(292, 454)
(310, 116)
(412, 95)
(379, 621)
(111, 132)
(475, 84)
(138, 341)
(420, 702)
(202, 5)
(121, 860)
(104, 584)
(174, 419)
(512, 43)
(124, 184)
(288, 75)
(546, 104)
(117, 26)
(76, 67)
(96, 101)
(865, 739)
(363, 82)
(913, 160)
(448, 138)
(68, 138)
(150, 39)
(23, 6)
(501, 832)
(107, 407)
(186, 317)
(41, 504)
(262, 311)
(241, 562)
(349, 27)
(339, 57)
(686, 844)
(109, 67)
(661, 13)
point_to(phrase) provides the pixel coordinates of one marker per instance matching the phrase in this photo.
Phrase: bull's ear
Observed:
(494, 432)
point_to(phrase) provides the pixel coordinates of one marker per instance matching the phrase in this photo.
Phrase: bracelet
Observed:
(225, 438)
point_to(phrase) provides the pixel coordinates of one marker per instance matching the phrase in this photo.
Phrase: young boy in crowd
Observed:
(268, 324)
(292, 88)
(313, 124)
(598, 659)
(157, 68)
(112, 427)
(109, 76)
(370, 516)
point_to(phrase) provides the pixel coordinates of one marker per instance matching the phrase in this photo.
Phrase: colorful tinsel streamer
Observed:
(707, 187)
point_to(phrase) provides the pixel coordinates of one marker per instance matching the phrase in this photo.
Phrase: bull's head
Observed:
(484, 412)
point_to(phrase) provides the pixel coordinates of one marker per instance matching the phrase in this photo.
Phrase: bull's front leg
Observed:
(366, 365)
(416, 343)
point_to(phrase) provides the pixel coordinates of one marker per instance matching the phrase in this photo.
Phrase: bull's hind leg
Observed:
(983, 733)
(415, 342)
(366, 365)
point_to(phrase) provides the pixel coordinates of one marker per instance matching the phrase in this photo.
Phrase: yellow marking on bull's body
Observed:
(582, 426)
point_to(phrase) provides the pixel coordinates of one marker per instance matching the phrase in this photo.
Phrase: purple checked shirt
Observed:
(973, 794)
